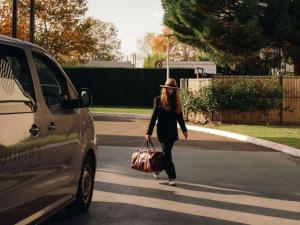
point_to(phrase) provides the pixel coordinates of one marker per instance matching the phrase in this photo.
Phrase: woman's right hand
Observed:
(185, 134)
(148, 137)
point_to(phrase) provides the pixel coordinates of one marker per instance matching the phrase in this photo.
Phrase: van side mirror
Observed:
(84, 100)
(85, 97)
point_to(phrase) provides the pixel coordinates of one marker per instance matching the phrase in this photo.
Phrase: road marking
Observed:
(185, 183)
(222, 214)
(240, 199)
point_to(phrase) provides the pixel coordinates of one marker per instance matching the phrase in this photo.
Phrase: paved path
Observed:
(220, 181)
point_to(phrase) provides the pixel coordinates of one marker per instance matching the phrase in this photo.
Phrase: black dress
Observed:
(166, 122)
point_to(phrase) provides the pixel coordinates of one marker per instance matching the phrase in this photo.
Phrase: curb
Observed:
(257, 141)
(100, 115)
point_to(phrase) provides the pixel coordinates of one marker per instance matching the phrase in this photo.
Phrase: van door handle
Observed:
(34, 130)
(51, 127)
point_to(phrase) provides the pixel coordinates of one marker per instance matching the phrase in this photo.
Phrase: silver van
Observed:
(47, 137)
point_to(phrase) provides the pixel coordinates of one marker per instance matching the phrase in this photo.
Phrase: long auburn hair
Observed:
(165, 99)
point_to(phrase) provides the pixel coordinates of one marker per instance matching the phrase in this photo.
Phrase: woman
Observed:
(167, 111)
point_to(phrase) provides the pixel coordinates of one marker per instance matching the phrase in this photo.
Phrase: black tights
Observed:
(169, 165)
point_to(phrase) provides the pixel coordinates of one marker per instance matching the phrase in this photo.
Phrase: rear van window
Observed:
(16, 87)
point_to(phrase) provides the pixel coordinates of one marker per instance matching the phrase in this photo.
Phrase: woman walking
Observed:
(167, 111)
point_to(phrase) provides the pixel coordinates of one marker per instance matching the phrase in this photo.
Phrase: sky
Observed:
(133, 19)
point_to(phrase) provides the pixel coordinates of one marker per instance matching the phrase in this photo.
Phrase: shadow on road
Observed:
(172, 196)
(127, 214)
(136, 141)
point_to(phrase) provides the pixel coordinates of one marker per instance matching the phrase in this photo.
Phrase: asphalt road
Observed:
(220, 181)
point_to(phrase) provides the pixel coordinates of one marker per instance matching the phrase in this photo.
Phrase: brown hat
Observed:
(170, 83)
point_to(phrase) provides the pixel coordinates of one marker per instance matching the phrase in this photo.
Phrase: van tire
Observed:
(85, 187)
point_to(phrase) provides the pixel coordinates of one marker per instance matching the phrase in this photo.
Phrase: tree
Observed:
(234, 30)
(159, 42)
(154, 48)
(6, 18)
(184, 52)
(149, 61)
(108, 45)
(144, 44)
(63, 29)
(178, 51)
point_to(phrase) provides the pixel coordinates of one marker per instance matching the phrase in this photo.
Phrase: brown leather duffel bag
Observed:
(147, 160)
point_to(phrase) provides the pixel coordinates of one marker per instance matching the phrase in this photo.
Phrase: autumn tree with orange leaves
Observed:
(158, 45)
(6, 20)
(63, 29)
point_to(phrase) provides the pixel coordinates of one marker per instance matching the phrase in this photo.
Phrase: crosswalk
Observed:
(159, 201)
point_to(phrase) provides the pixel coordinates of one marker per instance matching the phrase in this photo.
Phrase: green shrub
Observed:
(242, 94)
(188, 100)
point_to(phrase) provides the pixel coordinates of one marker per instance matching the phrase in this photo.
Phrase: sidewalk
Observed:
(127, 132)
(225, 134)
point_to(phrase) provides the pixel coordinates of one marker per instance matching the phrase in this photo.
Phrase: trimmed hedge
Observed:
(123, 87)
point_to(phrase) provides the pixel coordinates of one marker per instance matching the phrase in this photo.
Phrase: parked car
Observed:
(47, 137)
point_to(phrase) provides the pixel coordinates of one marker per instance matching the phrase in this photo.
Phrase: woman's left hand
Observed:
(185, 134)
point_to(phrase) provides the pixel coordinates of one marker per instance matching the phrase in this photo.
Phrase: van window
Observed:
(16, 87)
(53, 83)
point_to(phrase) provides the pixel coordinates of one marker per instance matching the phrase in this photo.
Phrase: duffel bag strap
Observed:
(145, 142)
(149, 144)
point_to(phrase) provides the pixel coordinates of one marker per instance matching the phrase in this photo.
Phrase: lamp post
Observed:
(32, 12)
(168, 49)
(14, 18)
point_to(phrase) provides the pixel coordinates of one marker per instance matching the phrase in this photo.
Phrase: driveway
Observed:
(220, 181)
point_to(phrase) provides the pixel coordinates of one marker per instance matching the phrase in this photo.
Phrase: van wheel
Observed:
(85, 187)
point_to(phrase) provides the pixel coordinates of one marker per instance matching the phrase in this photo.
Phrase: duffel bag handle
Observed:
(148, 143)
(145, 142)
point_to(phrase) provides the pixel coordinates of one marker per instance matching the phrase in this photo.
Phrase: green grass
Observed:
(122, 110)
(287, 135)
